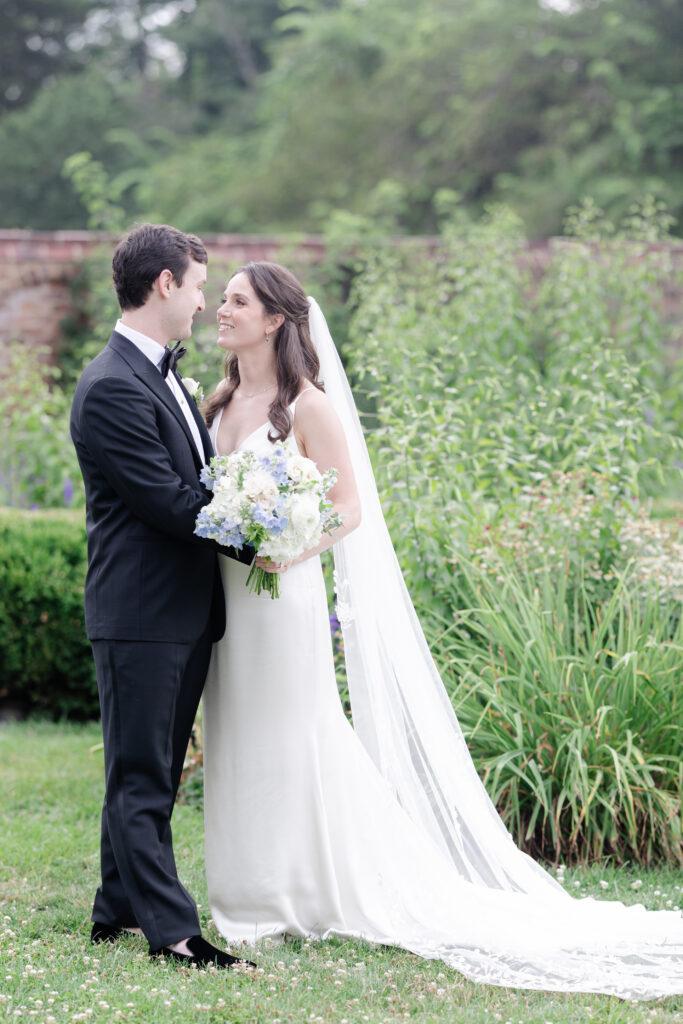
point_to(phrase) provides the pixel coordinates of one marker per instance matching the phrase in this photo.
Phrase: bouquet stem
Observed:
(259, 580)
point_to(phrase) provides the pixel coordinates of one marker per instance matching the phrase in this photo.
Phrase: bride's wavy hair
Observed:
(295, 357)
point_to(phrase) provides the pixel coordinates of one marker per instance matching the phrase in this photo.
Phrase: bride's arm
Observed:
(320, 437)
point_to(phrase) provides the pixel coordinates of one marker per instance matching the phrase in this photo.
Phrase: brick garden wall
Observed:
(37, 269)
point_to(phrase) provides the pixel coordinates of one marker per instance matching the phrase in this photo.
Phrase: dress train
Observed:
(305, 837)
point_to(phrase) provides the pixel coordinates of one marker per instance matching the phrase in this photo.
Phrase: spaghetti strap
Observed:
(293, 405)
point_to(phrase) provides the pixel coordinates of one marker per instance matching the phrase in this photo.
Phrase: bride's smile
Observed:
(242, 320)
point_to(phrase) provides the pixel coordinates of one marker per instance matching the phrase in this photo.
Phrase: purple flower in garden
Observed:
(335, 629)
(68, 491)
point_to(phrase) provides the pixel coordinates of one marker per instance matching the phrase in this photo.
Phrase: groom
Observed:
(153, 595)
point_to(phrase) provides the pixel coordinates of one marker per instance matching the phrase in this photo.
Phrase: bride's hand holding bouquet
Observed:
(277, 504)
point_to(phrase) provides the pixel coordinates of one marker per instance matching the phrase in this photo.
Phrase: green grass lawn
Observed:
(51, 786)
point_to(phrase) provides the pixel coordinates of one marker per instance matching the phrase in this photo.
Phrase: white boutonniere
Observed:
(194, 389)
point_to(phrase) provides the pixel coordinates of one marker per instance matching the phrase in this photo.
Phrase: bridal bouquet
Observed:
(276, 503)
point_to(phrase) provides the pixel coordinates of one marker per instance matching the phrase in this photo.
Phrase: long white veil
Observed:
(403, 716)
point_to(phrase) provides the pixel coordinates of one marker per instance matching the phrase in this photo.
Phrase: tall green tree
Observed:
(225, 49)
(76, 113)
(614, 129)
(493, 99)
(34, 45)
(107, 94)
(255, 115)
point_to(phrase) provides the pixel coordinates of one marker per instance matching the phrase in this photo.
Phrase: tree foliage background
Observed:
(263, 115)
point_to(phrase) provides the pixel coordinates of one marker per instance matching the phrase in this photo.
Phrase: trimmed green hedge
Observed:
(45, 659)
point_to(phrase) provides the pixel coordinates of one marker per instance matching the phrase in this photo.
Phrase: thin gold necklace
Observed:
(245, 394)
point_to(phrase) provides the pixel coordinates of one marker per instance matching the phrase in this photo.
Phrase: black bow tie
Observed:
(169, 360)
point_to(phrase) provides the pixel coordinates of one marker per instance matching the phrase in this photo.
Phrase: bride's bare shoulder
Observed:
(313, 410)
(311, 401)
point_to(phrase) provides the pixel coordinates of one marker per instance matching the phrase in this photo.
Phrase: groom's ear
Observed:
(164, 282)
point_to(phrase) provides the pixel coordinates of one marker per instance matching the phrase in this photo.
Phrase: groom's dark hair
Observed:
(144, 252)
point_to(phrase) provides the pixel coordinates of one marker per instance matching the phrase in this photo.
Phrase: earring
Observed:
(267, 339)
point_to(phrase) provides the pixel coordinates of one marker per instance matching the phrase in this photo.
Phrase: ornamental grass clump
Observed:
(563, 657)
(572, 709)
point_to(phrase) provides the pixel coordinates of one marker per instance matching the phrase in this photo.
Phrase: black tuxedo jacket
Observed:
(149, 577)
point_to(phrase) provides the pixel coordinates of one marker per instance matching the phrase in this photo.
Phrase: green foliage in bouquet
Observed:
(46, 659)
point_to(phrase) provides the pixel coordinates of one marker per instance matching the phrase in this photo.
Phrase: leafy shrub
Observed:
(573, 524)
(513, 426)
(38, 465)
(46, 662)
(482, 386)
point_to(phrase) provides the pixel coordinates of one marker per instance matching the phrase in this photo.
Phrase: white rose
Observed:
(226, 500)
(305, 513)
(229, 469)
(225, 489)
(283, 548)
(260, 487)
(193, 388)
(302, 470)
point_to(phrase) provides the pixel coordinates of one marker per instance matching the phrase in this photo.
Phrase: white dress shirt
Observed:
(155, 353)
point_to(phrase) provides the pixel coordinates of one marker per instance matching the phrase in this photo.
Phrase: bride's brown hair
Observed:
(296, 360)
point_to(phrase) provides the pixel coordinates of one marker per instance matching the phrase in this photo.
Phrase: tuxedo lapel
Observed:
(199, 420)
(147, 372)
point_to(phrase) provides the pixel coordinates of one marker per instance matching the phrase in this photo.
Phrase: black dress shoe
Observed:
(202, 953)
(105, 933)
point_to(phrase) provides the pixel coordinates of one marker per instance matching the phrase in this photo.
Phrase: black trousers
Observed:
(149, 693)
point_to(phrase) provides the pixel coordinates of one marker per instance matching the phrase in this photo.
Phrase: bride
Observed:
(382, 830)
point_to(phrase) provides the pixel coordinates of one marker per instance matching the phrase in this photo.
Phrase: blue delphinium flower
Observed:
(206, 477)
(230, 536)
(260, 515)
(273, 523)
(204, 526)
(276, 465)
(326, 510)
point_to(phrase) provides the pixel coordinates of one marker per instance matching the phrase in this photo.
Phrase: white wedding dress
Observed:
(305, 837)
